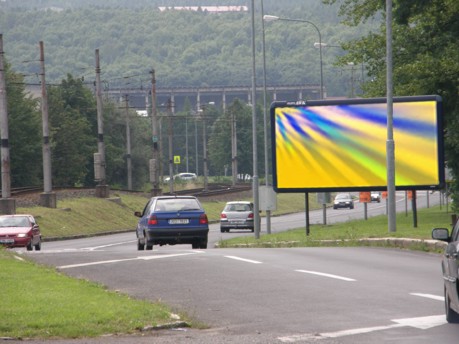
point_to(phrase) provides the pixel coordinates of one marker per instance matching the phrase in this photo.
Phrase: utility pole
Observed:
(154, 162)
(256, 196)
(186, 142)
(47, 198)
(7, 204)
(204, 149)
(204, 144)
(128, 146)
(171, 158)
(196, 143)
(233, 148)
(102, 190)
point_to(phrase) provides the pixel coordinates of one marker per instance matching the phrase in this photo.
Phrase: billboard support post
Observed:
(414, 209)
(306, 208)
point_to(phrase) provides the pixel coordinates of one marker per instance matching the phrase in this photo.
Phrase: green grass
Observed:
(352, 232)
(38, 302)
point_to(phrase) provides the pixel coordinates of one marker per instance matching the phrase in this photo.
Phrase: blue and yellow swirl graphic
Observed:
(344, 146)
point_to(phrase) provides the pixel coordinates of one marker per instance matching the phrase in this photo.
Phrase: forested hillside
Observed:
(199, 49)
(185, 48)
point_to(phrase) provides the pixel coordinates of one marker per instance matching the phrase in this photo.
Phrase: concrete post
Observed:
(47, 198)
(7, 204)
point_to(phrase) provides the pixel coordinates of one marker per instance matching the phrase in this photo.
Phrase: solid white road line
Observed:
(108, 245)
(429, 296)
(244, 260)
(327, 275)
(126, 260)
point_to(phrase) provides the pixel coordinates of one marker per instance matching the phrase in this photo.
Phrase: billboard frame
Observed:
(440, 173)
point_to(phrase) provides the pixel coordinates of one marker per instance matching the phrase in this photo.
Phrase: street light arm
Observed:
(269, 18)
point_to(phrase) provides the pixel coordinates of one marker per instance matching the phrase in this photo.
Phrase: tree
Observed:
(220, 139)
(73, 142)
(426, 46)
(24, 124)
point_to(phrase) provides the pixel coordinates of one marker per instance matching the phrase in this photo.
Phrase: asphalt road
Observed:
(294, 295)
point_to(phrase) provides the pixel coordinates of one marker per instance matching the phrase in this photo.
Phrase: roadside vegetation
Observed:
(38, 302)
(370, 232)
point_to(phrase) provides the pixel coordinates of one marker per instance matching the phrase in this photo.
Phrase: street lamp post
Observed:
(390, 144)
(269, 18)
(265, 118)
(255, 188)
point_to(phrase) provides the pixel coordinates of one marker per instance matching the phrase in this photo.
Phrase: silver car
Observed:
(237, 215)
(343, 200)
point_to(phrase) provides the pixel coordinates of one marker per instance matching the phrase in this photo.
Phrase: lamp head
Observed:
(269, 18)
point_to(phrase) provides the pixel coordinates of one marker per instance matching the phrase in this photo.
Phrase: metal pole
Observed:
(271, 18)
(414, 209)
(171, 158)
(254, 133)
(196, 143)
(156, 142)
(186, 142)
(306, 207)
(47, 186)
(5, 150)
(233, 148)
(390, 145)
(265, 118)
(321, 64)
(204, 149)
(128, 146)
(100, 121)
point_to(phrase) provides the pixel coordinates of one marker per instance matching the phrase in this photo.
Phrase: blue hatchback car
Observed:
(170, 220)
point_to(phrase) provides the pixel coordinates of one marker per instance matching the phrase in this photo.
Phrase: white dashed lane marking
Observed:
(347, 279)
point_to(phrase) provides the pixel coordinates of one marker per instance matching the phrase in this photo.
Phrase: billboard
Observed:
(323, 146)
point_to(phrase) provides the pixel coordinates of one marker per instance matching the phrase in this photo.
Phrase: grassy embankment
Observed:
(90, 215)
(39, 302)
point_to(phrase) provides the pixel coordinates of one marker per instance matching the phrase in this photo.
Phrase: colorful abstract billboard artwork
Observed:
(341, 145)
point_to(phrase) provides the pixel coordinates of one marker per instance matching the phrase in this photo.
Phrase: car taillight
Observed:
(203, 219)
(153, 220)
(250, 216)
(223, 216)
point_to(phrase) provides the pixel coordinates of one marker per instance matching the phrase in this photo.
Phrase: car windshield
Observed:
(342, 196)
(238, 207)
(177, 204)
(14, 221)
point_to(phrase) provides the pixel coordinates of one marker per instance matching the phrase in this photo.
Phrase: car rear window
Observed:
(238, 207)
(177, 204)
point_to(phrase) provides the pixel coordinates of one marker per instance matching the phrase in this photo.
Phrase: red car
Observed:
(20, 231)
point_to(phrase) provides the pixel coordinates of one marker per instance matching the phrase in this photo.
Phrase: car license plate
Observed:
(6, 241)
(178, 221)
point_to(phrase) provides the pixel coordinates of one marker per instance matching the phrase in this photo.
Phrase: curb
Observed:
(403, 243)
